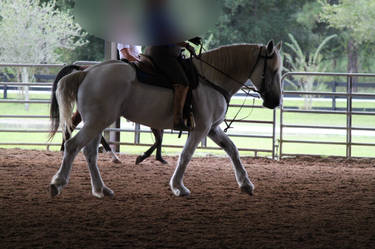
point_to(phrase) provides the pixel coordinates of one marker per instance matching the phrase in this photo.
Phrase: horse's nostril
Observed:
(271, 104)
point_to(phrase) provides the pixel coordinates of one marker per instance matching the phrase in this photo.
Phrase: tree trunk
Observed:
(353, 61)
(25, 79)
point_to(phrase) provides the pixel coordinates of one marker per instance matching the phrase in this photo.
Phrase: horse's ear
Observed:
(270, 48)
(279, 45)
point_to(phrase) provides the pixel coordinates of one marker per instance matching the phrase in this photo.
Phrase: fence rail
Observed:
(136, 131)
(348, 112)
(274, 150)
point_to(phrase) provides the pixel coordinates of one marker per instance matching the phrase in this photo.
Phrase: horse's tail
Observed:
(54, 109)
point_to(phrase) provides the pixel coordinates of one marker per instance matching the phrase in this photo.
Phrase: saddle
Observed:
(148, 72)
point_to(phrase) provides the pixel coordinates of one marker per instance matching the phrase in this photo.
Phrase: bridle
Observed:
(262, 90)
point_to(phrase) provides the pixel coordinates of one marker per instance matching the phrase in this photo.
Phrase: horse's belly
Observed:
(150, 106)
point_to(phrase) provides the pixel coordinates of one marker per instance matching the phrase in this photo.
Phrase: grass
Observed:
(247, 113)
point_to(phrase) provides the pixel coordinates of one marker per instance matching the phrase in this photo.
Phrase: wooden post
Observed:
(110, 53)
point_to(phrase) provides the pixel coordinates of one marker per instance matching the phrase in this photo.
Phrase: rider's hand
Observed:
(190, 49)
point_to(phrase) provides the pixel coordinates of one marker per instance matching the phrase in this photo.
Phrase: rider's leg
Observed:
(180, 93)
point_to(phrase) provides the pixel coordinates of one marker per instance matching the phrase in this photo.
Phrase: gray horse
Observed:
(109, 90)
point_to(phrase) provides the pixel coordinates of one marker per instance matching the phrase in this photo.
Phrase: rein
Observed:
(226, 95)
(230, 77)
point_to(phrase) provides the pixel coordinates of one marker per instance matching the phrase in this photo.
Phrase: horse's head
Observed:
(266, 74)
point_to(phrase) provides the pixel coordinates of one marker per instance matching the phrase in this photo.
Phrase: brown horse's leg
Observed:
(105, 144)
(76, 119)
(159, 139)
(107, 148)
(157, 145)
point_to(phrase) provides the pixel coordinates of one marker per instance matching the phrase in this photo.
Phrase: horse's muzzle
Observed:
(271, 104)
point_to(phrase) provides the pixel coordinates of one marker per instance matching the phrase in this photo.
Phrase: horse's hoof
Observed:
(54, 190)
(181, 191)
(104, 192)
(56, 185)
(108, 192)
(162, 160)
(100, 149)
(248, 189)
(139, 160)
(116, 160)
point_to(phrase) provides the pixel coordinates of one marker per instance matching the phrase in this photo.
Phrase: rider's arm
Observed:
(187, 46)
(128, 55)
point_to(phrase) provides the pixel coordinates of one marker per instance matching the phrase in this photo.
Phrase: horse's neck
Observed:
(235, 61)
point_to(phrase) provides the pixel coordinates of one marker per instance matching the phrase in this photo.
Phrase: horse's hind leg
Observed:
(158, 141)
(221, 139)
(107, 148)
(146, 154)
(157, 145)
(76, 119)
(72, 147)
(91, 153)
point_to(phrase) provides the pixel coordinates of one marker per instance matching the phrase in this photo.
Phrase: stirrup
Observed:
(181, 126)
(191, 121)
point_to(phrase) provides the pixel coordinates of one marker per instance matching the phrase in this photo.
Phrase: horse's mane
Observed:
(233, 59)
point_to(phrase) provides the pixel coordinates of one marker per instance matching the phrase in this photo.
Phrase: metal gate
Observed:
(348, 95)
(135, 130)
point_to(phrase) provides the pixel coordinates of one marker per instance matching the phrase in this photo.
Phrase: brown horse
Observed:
(76, 119)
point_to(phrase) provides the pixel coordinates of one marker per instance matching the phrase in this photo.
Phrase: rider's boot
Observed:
(180, 93)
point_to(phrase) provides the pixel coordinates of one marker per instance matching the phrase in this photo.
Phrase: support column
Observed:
(110, 53)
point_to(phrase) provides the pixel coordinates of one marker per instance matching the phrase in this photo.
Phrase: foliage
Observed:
(356, 18)
(33, 33)
(37, 34)
(256, 21)
(305, 62)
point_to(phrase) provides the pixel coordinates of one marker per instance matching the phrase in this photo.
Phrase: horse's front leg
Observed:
(176, 183)
(221, 139)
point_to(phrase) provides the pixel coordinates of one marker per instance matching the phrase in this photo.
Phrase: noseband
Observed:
(263, 89)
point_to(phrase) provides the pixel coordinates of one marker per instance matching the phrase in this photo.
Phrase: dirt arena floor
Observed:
(298, 203)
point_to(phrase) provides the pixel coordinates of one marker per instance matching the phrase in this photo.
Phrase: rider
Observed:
(165, 54)
(166, 59)
(129, 52)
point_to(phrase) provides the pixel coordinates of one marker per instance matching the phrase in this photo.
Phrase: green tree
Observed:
(34, 33)
(355, 20)
(257, 21)
(93, 50)
(302, 61)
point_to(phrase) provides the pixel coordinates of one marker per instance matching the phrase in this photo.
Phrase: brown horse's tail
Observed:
(54, 108)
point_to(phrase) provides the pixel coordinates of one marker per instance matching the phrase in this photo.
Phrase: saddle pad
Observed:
(158, 79)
